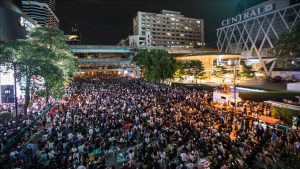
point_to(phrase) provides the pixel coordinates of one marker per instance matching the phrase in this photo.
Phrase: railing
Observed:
(283, 105)
(18, 136)
(103, 60)
(100, 47)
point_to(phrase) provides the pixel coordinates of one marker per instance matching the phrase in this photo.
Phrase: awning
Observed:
(270, 120)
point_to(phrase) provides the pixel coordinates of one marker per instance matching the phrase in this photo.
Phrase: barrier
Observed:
(17, 137)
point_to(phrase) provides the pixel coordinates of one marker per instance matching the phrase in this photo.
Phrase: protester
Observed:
(131, 123)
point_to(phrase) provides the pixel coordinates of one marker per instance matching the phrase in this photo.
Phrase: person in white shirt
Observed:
(184, 157)
(79, 136)
(81, 167)
(91, 131)
(81, 148)
(131, 154)
(74, 149)
(162, 155)
(45, 137)
(59, 135)
(70, 136)
(50, 145)
(97, 129)
(51, 155)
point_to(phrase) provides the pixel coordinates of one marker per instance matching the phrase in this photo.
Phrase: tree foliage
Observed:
(179, 70)
(288, 45)
(219, 71)
(247, 71)
(196, 69)
(43, 54)
(190, 68)
(158, 65)
(62, 58)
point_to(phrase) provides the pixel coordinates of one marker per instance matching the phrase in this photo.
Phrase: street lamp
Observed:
(234, 82)
(15, 83)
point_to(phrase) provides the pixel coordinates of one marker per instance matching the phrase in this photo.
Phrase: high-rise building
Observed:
(51, 4)
(42, 11)
(167, 29)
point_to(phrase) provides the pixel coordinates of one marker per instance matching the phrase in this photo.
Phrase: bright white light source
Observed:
(190, 78)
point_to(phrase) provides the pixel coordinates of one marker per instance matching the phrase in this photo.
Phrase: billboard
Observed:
(7, 93)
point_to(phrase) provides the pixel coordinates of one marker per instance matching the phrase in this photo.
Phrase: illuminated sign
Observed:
(26, 23)
(249, 14)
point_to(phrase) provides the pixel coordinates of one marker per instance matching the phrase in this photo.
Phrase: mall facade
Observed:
(254, 32)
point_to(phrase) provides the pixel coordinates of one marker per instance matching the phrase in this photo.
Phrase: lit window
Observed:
(198, 22)
(187, 28)
(169, 34)
(172, 19)
(182, 35)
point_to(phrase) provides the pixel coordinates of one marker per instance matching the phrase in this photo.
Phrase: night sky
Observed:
(106, 22)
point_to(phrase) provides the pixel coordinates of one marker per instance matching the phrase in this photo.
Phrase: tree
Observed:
(25, 56)
(247, 71)
(157, 63)
(219, 71)
(4, 59)
(193, 68)
(288, 45)
(179, 70)
(197, 69)
(44, 54)
(54, 40)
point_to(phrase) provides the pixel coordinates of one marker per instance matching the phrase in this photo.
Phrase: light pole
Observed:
(15, 83)
(0, 86)
(234, 82)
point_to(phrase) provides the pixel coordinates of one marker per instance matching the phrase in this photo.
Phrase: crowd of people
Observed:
(11, 124)
(131, 123)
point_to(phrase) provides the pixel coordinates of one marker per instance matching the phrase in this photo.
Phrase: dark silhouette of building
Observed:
(74, 37)
(13, 22)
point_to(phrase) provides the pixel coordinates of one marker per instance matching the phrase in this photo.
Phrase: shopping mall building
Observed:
(254, 32)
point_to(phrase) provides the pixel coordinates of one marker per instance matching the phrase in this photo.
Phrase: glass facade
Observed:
(256, 36)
